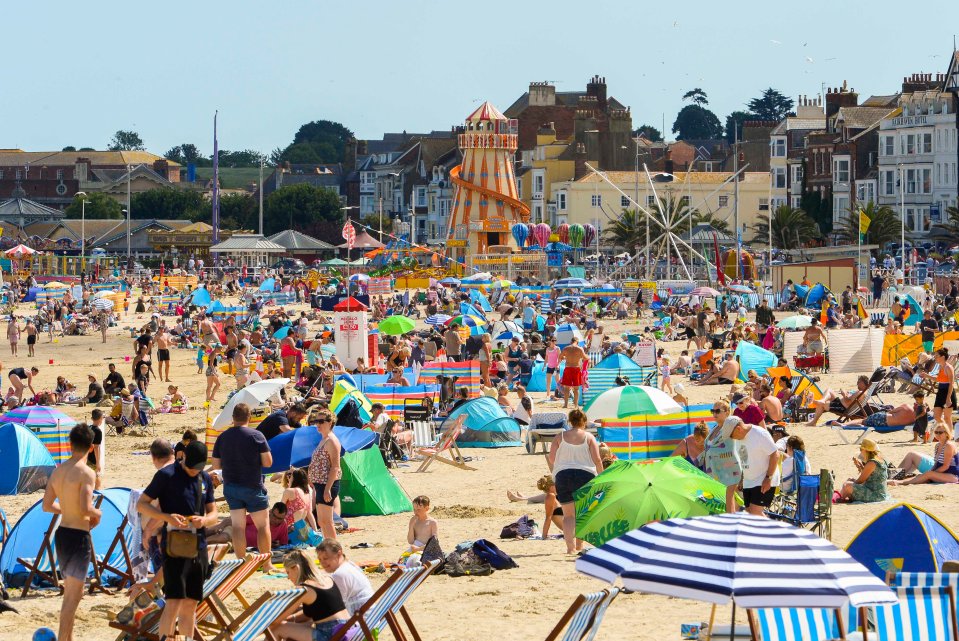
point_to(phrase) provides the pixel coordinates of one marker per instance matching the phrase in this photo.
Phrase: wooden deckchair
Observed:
(256, 619)
(583, 618)
(445, 451)
(212, 613)
(121, 544)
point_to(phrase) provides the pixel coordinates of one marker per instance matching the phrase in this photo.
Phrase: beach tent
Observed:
(467, 309)
(602, 376)
(487, 424)
(904, 538)
(25, 464)
(366, 488)
(480, 301)
(537, 381)
(753, 357)
(268, 285)
(651, 436)
(817, 293)
(201, 297)
(24, 539)
(343, 392)
(914, 314)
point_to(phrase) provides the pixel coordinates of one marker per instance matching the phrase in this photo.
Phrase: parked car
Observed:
(290, 266)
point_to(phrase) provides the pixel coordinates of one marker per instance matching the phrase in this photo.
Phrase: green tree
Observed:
(320, 141)
(771, 105)
(245, 158)
(190, 152)
(126, 141)
(302, 207)
(697, 123)
(238, 211)
(791, 228)
(697, 96)
(949, 228)
(69, 148)
(99, 206)
(175, 154)
(628, 231)
(734, 123)
(884, 225)
(168, 203)
(86, 149)
(819, 209)
(649, 132)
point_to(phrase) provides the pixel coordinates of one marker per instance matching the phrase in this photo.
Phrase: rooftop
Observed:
(680, 177)
(18, 158)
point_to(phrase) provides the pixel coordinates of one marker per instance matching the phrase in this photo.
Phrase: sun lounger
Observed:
(582, 620)
(256, 619)
(796, 624)
(859, 432)
(921, 614)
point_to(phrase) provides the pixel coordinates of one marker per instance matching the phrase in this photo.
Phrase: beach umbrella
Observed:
(502, 284)
(295, 448)
(630, 494)
(631, 400)
(33, 416)
(466, 321)
(740, 289)
(104, 294)
(449, 281)
(567, 333)
(705, 292)
(589, 235)
(799, 321)
(102, 304)
(437, 319)
(576, 235)
(253, 395)
(508, 336)
(396, 325)
(520, 233)
(751, 561)
(563, 232)
(20, 251)
(282, 333)
(361, 278)
(571, 283)
(56, 285)
(541, 233)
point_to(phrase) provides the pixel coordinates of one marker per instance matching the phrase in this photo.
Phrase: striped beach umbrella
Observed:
(567, 333)
(750, 561)
(34, 416)
(437, 319)
(102, 304)
(571, 283)
(464, 320)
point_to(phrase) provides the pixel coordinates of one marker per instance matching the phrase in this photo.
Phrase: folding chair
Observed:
(927, 580)
(119, 552)
(424, 434)
(861, 431)
(543, 427)
(445, 446)
(795, 624)
(213, 607)
(256, 619)
(810, 506)
(920, 614)
(381, 608)
(583, 618)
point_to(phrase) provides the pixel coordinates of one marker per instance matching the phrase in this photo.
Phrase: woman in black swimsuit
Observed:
(17, 377)
(323, 610)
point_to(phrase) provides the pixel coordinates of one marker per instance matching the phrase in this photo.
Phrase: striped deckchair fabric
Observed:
(262, 613)
(178, 282)
(795, 624)
(222, 314)
(601, 379)
(465, 373)
(166, 302)
(651, 436)
(395, 398)
(56, 440)
(583, 618)
(920, 614)
(48, 294)
(926, 580)
(257, 414)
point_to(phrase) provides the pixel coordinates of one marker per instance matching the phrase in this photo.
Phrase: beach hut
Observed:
(487, 424)
(904, 538)
(651, 436)
(26, 535)
(603, 375)
(25, 464)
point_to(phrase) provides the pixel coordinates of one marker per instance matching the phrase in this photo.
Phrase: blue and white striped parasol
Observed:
(748, 560)
(437, 319)
(571, 283)
(567, 333)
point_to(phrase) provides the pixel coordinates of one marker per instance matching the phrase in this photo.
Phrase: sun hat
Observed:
(868, 445)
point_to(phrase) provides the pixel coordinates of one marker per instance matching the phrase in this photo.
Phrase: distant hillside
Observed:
(232, 178)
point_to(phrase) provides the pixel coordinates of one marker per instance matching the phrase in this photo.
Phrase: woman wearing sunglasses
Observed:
(941, 467)
(722, 460)
(325, 472)
(870, 485)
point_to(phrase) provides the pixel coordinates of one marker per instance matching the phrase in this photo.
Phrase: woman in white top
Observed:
(574, 460)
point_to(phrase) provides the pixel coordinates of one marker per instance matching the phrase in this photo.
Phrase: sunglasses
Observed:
(323, 421)
(716, 410)
(938, 432)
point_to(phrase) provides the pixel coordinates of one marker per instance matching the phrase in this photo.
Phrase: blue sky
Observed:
(77, 72)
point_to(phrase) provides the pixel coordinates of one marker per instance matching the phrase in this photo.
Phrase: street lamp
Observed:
(83, 224)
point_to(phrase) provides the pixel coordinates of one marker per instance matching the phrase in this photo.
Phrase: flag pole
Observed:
(855, 282)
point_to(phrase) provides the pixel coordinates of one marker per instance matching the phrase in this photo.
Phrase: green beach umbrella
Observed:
(631, 400)
(396, 326)
(628, 495)
(798, 321)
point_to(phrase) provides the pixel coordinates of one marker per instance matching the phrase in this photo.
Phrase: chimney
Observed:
(350, 160)
(361, 148)
(579, 161)
(597, 89)
(668, 161)
(836, 98)
(542, 94)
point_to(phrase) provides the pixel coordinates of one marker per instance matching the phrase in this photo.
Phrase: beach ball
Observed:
(44, 634)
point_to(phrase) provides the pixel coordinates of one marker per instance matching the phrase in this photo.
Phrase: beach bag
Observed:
(433, 552)
(521, 529)
(487, 552)
(303, 533)
(185, 544)
(721, 459)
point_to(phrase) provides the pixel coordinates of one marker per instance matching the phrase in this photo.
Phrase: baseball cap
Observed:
(194, 455)
(729, 425)
(738, 398)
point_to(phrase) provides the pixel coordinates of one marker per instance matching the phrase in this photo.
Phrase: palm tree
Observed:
(948, 230)
(791, 228)
(629, 231)
(884, 225)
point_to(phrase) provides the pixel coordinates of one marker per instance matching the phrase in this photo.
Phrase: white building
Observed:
(918, 150)
(787, 145)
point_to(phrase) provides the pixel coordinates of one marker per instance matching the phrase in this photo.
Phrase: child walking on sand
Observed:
(665, 382)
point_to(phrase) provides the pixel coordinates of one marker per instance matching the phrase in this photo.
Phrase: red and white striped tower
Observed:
(486, 204)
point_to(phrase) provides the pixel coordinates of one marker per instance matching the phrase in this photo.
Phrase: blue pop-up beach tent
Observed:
(268, 285)
(487, 424)
(24, 539)
(25, 463)
(915, 311)
(904, 538)
(201, 297)
(752, 356)
(477, 298)
(817, 293)
(603, 375)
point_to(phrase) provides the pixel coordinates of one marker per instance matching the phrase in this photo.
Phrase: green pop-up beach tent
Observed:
(367, 487)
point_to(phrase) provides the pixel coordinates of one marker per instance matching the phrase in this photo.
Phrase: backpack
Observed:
(521, 529)
(489, 553)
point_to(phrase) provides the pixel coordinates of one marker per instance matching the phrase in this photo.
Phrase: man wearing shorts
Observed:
(163, 353)
(69, 493)
(761, 466)
(242, 453)
(928, 327)
(31, 331)
(184, 493)
(572, 378)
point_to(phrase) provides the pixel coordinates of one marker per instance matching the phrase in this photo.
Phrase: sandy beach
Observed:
(522, 603)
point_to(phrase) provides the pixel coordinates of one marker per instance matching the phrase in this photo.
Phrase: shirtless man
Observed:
(31, 331)
(207, 332)
(163, 352)
(770, 404)
(727, 373)
(574, 355)
(69, 493)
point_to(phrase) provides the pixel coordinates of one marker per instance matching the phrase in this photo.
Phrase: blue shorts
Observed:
(325, 631)
(240, 497)
(879, 419)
